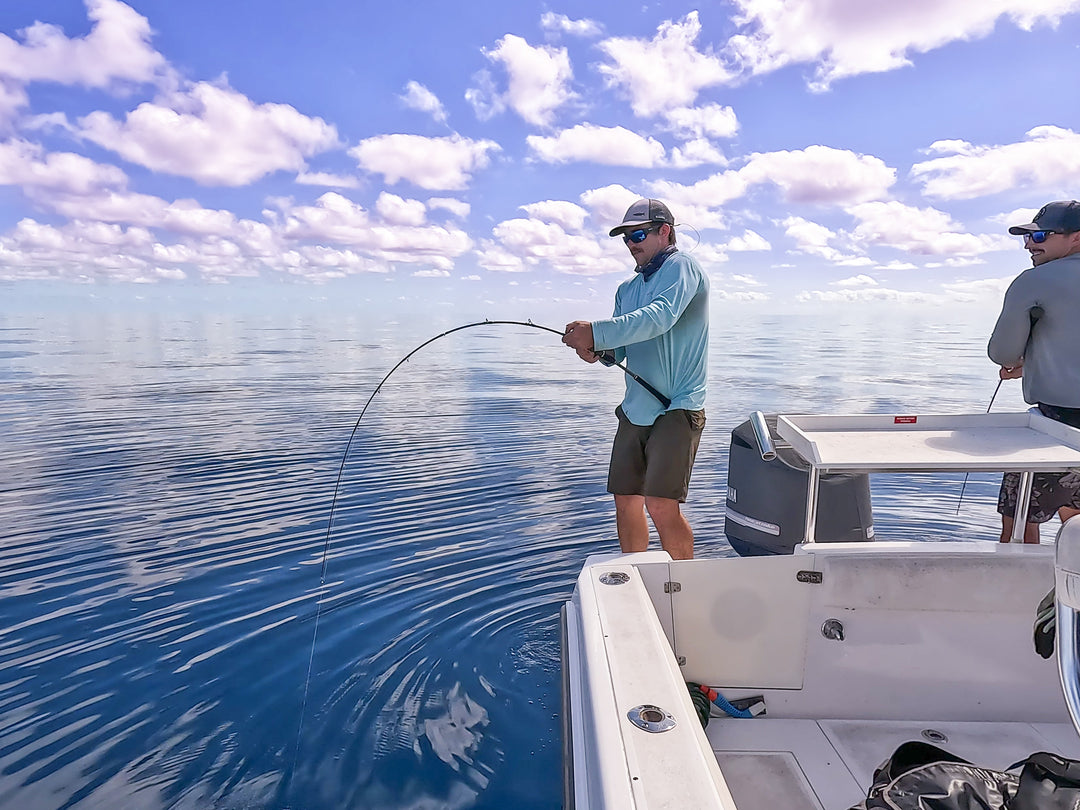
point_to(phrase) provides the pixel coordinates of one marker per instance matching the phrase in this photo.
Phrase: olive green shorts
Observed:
(656, 460)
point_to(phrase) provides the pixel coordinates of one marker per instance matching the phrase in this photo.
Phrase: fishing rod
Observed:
(988, 407)
(607, 358)
(1035, 313)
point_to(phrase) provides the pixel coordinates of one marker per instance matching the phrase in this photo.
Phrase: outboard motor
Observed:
(766, 495)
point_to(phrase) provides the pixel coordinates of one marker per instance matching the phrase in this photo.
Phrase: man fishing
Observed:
(1035, 338)
(660, 327)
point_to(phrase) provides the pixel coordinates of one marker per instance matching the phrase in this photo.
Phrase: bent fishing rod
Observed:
(607, 358)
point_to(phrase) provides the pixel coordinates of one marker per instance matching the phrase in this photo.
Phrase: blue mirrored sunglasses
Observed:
(1038, 237)
(637, 236)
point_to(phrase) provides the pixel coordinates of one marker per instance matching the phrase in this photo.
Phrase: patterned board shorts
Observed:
(1049, 492)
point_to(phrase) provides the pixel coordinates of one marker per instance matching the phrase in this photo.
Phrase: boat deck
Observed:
(829, 764)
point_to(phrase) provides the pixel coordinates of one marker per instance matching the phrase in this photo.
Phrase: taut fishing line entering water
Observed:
(341, 470)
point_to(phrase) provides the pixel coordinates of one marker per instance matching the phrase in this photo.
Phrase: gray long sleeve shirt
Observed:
(1049, 347)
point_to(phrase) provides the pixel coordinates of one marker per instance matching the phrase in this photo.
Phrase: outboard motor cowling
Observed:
(766, 500)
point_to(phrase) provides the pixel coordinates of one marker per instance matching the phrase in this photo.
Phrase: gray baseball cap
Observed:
(1062, 216)
(643, 212)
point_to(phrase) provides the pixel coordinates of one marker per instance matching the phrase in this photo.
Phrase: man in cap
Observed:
(1035, 338)
(660, 327)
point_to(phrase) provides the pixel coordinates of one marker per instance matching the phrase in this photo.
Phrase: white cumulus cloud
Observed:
(708, 121)
(869, 36)
(821, 174)
(458, 208)
(711, 192)
(42, 174)
(608, 204)
(567, 214)
(561, 24)
(433, 163)
(117, 49)
(534, 243)
(609, 146)
(1048, 158)
(666, 72)
(418, 97)
(749, 241)
(817, 174)
(698, 152)
(396, 210)
(306, 178)
(861, 280)
(814, 239)
(213, 135)
(538, 81)
(924, 231)
(342, 222)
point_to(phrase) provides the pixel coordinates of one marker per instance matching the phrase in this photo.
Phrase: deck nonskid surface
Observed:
(829, 764)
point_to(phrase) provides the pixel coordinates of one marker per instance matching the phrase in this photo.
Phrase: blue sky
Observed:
(812, 150)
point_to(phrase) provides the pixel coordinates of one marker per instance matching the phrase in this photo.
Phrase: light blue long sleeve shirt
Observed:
(661, 329)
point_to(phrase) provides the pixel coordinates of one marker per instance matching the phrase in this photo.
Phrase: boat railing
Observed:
(633, 723)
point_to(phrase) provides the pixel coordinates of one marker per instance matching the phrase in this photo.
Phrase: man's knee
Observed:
(661, 508)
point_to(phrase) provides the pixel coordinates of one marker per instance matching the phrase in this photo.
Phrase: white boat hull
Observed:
(936, 639)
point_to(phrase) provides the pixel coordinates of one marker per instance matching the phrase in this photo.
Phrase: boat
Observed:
(833, 653)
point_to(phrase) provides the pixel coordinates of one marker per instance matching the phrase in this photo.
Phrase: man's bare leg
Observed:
(630, 523)
(676, 536)
(1031, 530)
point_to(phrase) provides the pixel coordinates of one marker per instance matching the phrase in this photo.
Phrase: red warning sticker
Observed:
(905, 420)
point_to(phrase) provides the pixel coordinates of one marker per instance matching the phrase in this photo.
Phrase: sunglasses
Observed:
(637, 236)
(1038, 237)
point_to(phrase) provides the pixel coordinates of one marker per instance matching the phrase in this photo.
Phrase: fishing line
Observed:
(697, 236)
(341, 471)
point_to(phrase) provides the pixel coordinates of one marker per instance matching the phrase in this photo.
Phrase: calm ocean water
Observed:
(165, 490)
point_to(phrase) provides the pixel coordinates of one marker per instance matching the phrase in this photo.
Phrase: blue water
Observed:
(165, 488)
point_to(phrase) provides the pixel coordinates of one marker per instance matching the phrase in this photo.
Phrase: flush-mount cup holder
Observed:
(651, 718)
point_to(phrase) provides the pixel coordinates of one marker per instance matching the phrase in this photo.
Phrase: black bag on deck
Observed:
(1048, 782)
(920, 776)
